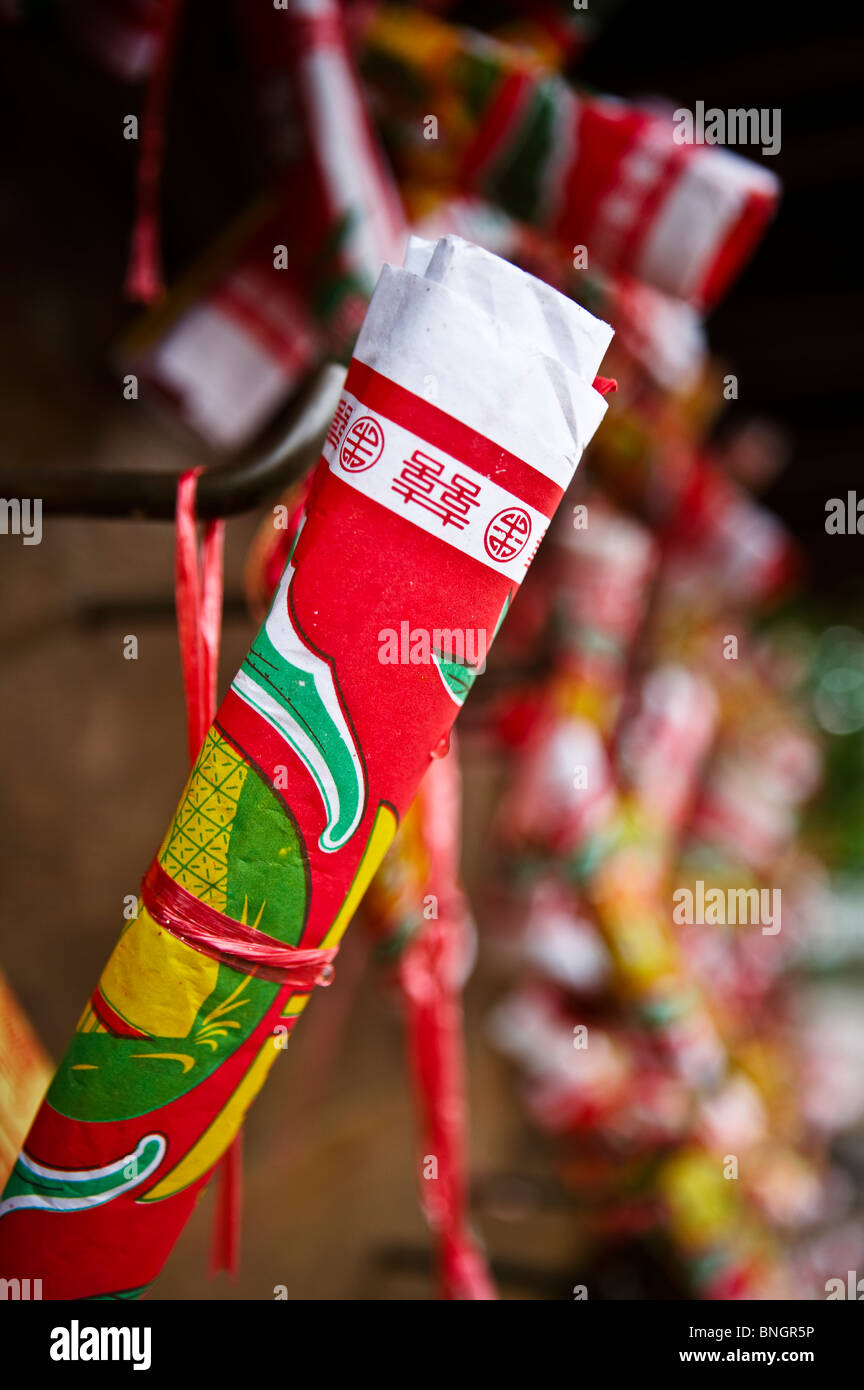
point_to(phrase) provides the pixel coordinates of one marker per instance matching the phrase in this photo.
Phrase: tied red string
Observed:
(429, 975)
(198, 596)
(144, 272)
(198, 589)
(210, 931)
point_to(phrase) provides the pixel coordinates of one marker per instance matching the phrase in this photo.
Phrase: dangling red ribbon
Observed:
(144, 272)
(429, 975)
(198, 595)
(198, 586)
(222, 938)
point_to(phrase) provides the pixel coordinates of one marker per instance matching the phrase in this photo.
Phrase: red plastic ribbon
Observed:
(429, 974)
(222, 938)
(198, 590)
(144, 273)
(198, 597)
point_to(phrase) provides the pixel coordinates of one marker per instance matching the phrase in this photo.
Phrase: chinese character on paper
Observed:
(363, 445)
(507, 534)
(340, 420)
(422, 482)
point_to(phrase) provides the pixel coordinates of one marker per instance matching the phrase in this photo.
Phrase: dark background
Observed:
(790, 328)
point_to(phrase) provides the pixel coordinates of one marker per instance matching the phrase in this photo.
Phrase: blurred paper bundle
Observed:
(614, 949)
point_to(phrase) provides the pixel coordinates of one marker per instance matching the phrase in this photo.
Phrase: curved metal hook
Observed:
(224, 490)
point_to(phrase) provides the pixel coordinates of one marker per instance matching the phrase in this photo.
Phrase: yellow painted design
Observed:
(296, 1004)
(155, 982)
(186, 1062)
(377, 846)
(701, 1202)
(195, 850)
(215, 1140)
(89, 1022)
(85, 1022)
(216, 1024)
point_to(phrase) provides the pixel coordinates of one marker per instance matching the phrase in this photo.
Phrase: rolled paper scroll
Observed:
(466, 408)
(236, 338)
(602, 176)
(321, 141)
(280, 292)
(664, 336)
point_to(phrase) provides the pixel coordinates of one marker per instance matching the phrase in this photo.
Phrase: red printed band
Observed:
(438, 473)
(452, 436)
(207, 930)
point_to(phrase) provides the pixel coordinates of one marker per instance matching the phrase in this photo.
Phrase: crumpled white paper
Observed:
(492, 346)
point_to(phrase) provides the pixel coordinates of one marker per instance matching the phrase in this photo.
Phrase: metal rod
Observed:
(224, 490)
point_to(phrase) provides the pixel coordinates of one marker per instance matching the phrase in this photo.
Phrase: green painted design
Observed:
(458, 676)
(104, 1077)
(34, 1187)
(268, 875)
(294, 688)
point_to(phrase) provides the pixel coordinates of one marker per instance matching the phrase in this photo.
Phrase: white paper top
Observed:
(491, 346)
